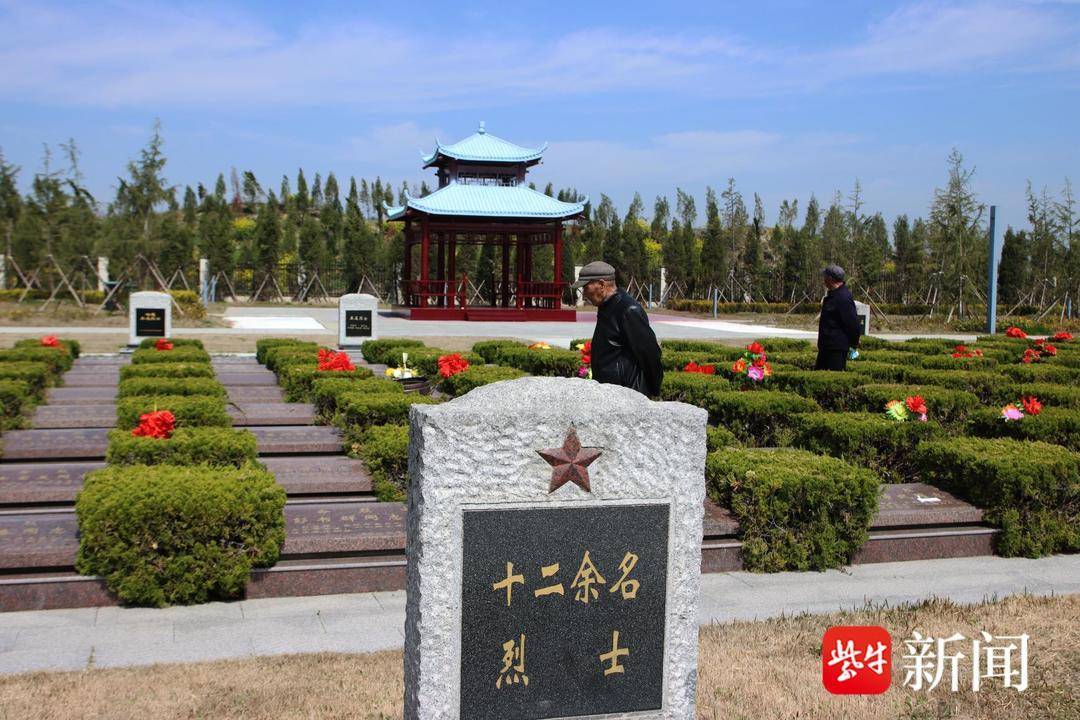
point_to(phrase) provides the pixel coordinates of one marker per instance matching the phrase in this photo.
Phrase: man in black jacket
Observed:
(624, 348)
(839, 328)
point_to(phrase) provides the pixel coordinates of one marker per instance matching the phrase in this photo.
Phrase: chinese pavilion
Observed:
(483, 199)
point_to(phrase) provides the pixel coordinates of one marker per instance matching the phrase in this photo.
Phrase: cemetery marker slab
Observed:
(150, 316)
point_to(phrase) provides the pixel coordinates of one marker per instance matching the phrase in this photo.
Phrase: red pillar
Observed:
(506, 270)
(451, 276)
(425, 245)
(442, 268)
(557, 275)
(408, 260)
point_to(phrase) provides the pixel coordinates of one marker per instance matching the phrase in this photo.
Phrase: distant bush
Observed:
(758, 418)
(881, 372)
(169, 386)
(167, 370)
(477, 375)
(189, 410)
(1031, 490)
(490, 349)
(702, 348)
(166, 534)
(796, 510)
(176, 355)
(190, 304)
(187, 446)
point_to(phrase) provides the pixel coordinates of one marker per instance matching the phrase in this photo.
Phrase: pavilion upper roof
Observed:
(510, 201)
(482, 146)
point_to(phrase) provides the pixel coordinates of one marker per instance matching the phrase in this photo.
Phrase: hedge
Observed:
(73, 347)
(758, 418)
(692, 387)
(177, 343)
(377, 351)
(944, 405)
(385, 451)
(948, 362)
(187, 446)
(490, 349)
(555, 362)
(702, 347)
(1051, 394)
(167, 370)
(782, 344)
(1030, 489)
(989, 387)
(868, 439)
(189, 410)
(477, 375)
(282, 356)
(14, 398)
(180, 354)
(189, 303)
(1042, 372)
(893, 357)
(361, 410)
(869, 342)
(801, 360)
(35, 374)
(719, 437)
(169, 534)
(170, 386)
(1060, 426)
(326, 391)
(832, 389)
(263, 345)
(297, 380)
(879, 371)
(796, 510)
(57, 359)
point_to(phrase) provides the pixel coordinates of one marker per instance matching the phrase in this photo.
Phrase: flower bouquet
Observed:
(163, 344)
(1015, 332)
(585, 348)
(50, 341)
(330, 361)
(913, 405)
(693, 367)
(753, 367)
(539, 346)
(1062, 337)
(404, 372)
(1026, 405)
(450, 365)
(962, 351)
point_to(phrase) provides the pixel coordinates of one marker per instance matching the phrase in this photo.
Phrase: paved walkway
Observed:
(109, 637)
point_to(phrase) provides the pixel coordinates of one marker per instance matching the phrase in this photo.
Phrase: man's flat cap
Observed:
(596, 270)
(834, 272)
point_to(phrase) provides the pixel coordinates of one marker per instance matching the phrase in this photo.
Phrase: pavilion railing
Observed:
(455, 293)
(538, 294)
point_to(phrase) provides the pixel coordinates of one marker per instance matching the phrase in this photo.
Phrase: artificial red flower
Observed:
(1015, 332)
(50, 341)
(586, 353)
(1031, 404)
(1031, 355)
(961, 351)
(1062, 337)
(755, 348)
(759, 361)
(158, 424)
(1045, 347)
(768, 370)
(163, 344)
(450, 365)
(916, 404)
(693, 367)
(330, 361)
(738, 366)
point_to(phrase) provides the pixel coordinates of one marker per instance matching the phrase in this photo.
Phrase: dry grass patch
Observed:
(758, 670)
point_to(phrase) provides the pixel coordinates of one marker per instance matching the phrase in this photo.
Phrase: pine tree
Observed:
(358, 242)
(909, 259)
(191, 208)
(310, 246)
(219, 188)
(834, 234)
(956, 233)
(753, 257)
(634, 234)
(268, 236)
(11, 204)
(1013, 267)
(316, 194)
(331, 217)
(713, 251)
(303, 201)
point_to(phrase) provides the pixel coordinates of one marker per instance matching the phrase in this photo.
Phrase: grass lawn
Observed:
(765, 669)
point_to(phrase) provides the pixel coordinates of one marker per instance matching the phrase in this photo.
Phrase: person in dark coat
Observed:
(839, 329)
(624, 348)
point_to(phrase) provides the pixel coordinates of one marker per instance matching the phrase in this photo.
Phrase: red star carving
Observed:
(569, 462)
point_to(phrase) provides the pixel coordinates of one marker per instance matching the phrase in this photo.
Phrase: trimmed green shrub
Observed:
(801, 360)
(167, 534)
(719, 437)
(490, 349)
(759, 418)
(945, 406)
(187, 446)
(552, 363)
(948, 362)
(73, 347)
(832, 389)
(170, 386)
(377, 351)
(282, 355)
(1051, 394)
(796, 510)
(326, 391)
(676, 360)
(989, 387)
(35, 374)
(57, 359)
(1060, 426)
(263, 345)
(573, 344)
(692, 387)
(869, 342)
(701, 348)
(167, 370)
(385, 451)
(14, 398)
(781, 344)
(868, 439)
(179, 354)
(891, 356)
(177, 343)
(188, 410)
(926, 346)
(478, 375)
(879, 371)
(1030, 489)
(362, 410)
(297, 380)
(1041, 372)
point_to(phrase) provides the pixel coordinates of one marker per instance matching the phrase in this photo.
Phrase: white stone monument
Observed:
(863, 311)
(149, 316)
(554, 553)
(358, 319)
(102, 273)
(579, 297)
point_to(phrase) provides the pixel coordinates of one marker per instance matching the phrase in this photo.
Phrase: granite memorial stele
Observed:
(554, 553)
(357, 319)
(149, 316)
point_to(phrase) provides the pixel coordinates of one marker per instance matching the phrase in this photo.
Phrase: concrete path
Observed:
(111, 637)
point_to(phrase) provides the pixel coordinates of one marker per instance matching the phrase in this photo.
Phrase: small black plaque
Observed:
(357, 323)
(557, 640)
(149, 322)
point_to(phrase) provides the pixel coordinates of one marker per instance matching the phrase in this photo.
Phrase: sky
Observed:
(789, 97)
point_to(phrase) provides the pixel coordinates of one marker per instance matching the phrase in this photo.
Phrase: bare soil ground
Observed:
(758, 670)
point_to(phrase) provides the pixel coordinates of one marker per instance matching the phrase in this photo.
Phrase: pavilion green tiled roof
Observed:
(482, 146)
(512, 201)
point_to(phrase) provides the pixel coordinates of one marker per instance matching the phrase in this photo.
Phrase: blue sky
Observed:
(788, 97)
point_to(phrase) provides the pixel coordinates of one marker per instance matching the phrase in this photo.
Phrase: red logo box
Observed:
(856, 660)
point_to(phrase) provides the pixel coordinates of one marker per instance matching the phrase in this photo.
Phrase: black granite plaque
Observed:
(578, 628)
(149, 322)
(357, 323)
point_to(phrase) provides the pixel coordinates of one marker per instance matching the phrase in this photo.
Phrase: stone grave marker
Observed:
(554, 553)
(357, 319)
(149, 316)
(862, 310)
